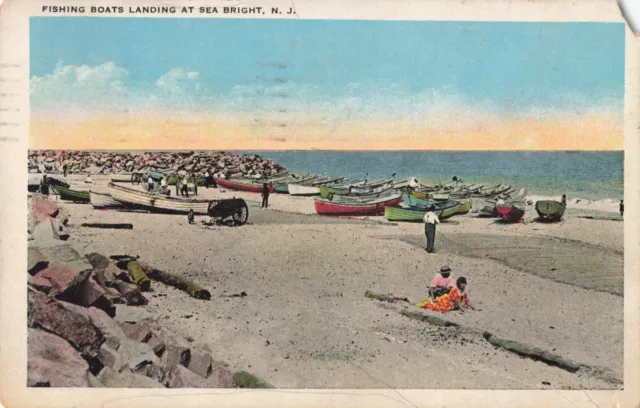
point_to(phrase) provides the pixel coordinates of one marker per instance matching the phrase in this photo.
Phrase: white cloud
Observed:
(108, 88)
(97, 87)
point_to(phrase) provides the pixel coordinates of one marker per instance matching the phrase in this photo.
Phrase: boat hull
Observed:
(464, 207)
(404, 214)
(155, 202)
(99, 200)
(253, 188)
(300, 190)
(73, 195)
(550, 210)
(509, 213)
(374, 208)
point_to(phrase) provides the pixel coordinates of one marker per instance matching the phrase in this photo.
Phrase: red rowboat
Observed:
(511, 212)
(254, 188)
(375, 207)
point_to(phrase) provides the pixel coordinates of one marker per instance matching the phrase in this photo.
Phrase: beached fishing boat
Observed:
(73, 195)
(374, 207)
(414, 214)
(373, 187)
(512, 211)
(314, 187)
(352, 198)
(156, 202)
(464, 207)
(234, 185)
(101, 200)
(343, 189)
(550, 210)
(282, 186)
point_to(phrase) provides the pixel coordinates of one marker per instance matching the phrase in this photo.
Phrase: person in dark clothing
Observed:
(64, 169)
(430, 221)
(195, 184)
(265, 196)
(177, 188)
(564, 200)
(622, 208)
(44, 185)
(455, 178)
(191, 216)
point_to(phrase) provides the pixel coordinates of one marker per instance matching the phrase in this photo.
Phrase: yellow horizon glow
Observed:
(586, 133)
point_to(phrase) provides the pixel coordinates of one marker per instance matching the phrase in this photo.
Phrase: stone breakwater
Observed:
(87, 326)
(232, 165)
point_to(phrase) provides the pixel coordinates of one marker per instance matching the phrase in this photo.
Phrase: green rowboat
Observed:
(73, 195)
(550, 210)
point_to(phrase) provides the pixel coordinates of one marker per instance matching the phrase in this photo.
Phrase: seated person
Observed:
(441, 283)
(454, 300)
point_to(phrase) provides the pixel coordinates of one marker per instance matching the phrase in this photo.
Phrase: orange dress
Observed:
(446, 303)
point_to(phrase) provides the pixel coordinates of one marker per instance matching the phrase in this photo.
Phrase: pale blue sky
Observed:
(512, 66)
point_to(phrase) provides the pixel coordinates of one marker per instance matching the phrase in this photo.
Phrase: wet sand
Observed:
(306, 324)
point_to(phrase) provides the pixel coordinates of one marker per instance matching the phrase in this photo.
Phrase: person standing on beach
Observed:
(163, 186)
(265, 196)
(150, 183)
(195, 184)
(564, 200)
(441, 283)
(184, 188)
(64, 169)
(622, 208)
(191, 216)
(430, 220)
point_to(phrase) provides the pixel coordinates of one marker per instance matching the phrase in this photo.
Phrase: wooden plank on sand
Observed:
(533, 353)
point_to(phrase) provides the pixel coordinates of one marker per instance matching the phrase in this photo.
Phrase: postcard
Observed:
(319, 204)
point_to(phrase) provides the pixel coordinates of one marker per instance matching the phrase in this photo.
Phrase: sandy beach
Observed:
(305, 322)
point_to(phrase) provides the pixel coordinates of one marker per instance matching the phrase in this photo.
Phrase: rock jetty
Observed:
(87, 326)
(232, 165)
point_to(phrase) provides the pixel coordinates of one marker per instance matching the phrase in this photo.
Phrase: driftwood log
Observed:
(138, 276)
(533, 353)
(167, 278)
(384, 298)
(245, 380)
(105, 225)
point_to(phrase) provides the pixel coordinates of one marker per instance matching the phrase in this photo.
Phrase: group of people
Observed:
(444, 295)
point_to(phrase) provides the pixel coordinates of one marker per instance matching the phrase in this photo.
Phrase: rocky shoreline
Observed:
(230, 164)
(87, 326)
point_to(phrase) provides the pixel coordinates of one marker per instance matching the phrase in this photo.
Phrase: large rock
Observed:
(36, 262)
(111, 330)
(65, 279)
(48, 314)
(131, 294)
(139, 331)
(59, 252)
(201, 363)
(113, 379)
(44, 231)
(136, 355)
(178, 376)
(221, 377)
(109, 357)
(52, 362)
(98, 261)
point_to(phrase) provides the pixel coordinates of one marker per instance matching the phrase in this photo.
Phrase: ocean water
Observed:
(583, 175)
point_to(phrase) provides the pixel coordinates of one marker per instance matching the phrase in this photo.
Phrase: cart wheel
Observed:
(241, 214)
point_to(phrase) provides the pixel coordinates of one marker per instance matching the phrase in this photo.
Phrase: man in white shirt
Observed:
(163, 186)
(150, 184)
(430, 221)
